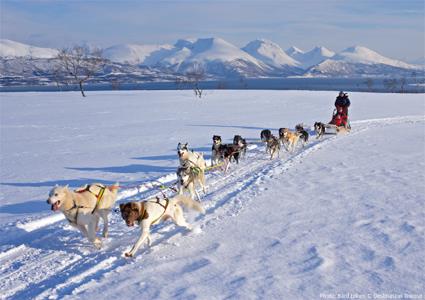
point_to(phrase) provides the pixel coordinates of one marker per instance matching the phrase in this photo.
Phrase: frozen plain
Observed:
(343, 215)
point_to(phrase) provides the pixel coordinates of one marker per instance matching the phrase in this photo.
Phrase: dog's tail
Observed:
(189, 203)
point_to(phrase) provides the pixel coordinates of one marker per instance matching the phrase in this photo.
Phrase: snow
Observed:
(220, 59)
(10, 48)
(294, 51)
(359, 54)
(136, 54)
(313, 57)
(344, 214)
(269, 53)
(210, 49)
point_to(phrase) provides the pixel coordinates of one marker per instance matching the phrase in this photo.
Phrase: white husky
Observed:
(85, 206)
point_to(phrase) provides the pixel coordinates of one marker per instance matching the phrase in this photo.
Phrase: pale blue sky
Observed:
(393, 28)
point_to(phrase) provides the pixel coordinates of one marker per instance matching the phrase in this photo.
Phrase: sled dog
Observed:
(154, 211)
(215, 150)
(195, 159)
(273, 146)
(289, 138)
(85, 206)
(241, 142)
(319, 128)
(229, 152)
(265, 135)
(303, 133)
(188, 177)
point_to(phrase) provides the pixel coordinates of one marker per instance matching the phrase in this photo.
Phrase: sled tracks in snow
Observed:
(49, 259)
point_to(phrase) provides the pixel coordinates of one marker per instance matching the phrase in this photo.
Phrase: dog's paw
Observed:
(128, 254)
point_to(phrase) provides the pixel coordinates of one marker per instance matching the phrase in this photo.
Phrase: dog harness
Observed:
(76, 208)
(167, 201)
(98, 196)
(144, 214)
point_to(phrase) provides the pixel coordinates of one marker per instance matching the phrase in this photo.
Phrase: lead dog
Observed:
(154, 211)
(189, 177)
(84, 207)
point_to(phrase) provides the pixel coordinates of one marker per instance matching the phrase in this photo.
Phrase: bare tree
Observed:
(194, 76)
(77, 65)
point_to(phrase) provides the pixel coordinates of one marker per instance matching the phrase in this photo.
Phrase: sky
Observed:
(393, 28)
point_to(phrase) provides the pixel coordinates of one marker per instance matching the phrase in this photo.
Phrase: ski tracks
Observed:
(57, 261)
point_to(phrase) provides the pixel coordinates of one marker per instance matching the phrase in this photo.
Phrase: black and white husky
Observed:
(215, 150)
(224, 153)
(265, 135)
(189, 177)
(241, 142)
(303, 133)
(319, 128)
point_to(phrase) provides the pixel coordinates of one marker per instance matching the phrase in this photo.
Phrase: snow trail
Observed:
(56, 262)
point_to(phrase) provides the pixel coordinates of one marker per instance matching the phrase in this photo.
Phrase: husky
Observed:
(319, 128)
(215, 150)
(303, 133)
(195, 159)
(85, 206)
(241, 142)
(265, 135)
(154, 211)
(273, 146)
(229, 152)
(188, 177)
(288, 138)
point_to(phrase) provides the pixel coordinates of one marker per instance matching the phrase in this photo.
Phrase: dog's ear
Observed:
(134, 206)
(185, 145)
(66, 186)
(122, 206)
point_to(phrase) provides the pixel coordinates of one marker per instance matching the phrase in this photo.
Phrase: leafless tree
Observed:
(194, 76)
(77, 65)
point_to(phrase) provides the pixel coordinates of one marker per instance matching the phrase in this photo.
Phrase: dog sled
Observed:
(339, 123)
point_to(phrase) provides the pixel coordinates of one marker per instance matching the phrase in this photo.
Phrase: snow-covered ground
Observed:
(343, 215)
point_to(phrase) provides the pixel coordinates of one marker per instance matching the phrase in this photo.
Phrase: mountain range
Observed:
(219, 58)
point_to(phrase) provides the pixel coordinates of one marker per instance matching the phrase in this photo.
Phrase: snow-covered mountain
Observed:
(360, 61)
(310, 58)
(294, 52)
(136, 54)
(269, 53)
(221, 59)
(11, 49)
(216, 56)
(363, 55)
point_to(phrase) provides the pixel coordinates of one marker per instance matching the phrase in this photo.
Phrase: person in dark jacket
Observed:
(342, 103)
(341, 110)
